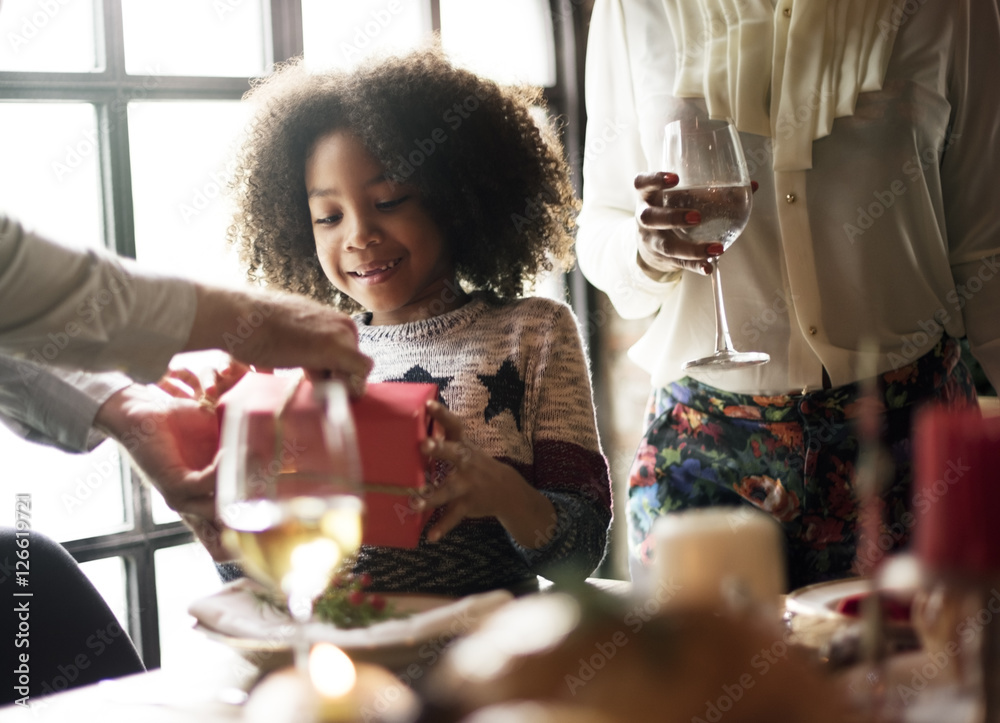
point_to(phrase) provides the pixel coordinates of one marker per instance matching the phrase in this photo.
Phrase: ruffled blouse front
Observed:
(823, 54)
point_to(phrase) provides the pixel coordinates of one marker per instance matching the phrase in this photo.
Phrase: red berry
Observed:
(356, 598)
(366, 579)
(378, 603)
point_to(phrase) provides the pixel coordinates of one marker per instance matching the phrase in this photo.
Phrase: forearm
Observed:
(278, 330)
(118, 415)
(528, 516)
(578, 535)
(227, 319)
(607, 239)
(561, 534)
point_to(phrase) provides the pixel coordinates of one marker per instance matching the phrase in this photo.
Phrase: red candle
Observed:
(957, 491)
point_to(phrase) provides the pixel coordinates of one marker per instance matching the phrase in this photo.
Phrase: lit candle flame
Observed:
(331, 671)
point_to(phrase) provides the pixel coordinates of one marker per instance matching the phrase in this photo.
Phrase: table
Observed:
(170, 697)
(157, 696)
(152, 697)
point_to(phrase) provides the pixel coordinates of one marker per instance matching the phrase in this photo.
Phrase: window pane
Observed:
(180, 167)
(339, 35)
(50, 181)
(184, 574)
(193, 37)
(108, 576)
(53, 36)
(510, 42)
(73, 495)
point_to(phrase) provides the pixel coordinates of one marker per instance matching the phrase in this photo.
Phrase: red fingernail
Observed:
(715, 249)
(706, 269)
(692, 217)
(754, 186)
(669, 179)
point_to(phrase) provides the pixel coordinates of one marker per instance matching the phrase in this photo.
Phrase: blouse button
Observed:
(790, 198)
(813, 331)
(787, 12)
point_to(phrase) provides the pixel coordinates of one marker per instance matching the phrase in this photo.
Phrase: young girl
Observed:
(428, 199)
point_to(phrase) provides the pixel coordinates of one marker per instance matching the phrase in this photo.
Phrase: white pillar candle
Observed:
(716, 556)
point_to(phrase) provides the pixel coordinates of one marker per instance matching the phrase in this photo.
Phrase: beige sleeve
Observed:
(87, 309)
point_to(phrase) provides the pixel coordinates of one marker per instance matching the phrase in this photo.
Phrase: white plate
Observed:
(238, 618)
(821, 600)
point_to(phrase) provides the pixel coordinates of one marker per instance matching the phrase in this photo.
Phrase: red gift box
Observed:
(390, 420)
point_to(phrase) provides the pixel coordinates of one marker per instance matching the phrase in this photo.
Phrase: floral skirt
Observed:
(792, 456)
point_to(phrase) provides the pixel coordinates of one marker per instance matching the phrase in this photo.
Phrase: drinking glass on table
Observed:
(290, 494)
(708, 159)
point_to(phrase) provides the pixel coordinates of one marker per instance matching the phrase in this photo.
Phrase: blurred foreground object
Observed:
(957, 541)
(608, 656)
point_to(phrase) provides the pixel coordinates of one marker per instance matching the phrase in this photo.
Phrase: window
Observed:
(118, 117)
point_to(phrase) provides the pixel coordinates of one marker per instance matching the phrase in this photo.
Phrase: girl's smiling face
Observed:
(375, 241)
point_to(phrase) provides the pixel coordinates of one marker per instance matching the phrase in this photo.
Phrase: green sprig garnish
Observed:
(346, 604)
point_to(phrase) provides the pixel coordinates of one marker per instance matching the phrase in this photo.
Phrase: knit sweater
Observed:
(516, 374)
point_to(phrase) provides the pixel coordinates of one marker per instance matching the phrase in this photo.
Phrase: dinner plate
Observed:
(822, 599)
(813, 615)
(237, 617)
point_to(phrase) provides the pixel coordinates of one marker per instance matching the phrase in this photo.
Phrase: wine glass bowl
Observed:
(289, 491)
(724, 210)
(707, 157)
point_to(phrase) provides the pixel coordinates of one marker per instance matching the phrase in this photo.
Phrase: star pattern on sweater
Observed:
(418, 375)
(506, 389)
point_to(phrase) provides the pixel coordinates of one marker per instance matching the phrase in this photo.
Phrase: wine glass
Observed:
(707, 157)
(289, 493)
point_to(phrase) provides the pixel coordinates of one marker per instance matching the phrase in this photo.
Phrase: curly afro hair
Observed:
(489, 172)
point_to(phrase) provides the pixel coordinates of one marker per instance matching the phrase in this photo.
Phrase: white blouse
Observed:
(871, 127)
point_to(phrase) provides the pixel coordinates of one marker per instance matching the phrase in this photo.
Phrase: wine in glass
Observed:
(290, 494)
(708, 159)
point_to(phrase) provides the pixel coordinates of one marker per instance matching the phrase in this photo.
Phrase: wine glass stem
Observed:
(723, 342)
(301, 612)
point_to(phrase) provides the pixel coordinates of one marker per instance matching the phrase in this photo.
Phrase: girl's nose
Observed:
(364, 233)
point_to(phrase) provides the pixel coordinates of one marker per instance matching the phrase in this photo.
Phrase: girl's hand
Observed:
(479, 486)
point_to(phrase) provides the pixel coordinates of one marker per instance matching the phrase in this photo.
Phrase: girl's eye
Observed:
(387, 205)
(333, 218)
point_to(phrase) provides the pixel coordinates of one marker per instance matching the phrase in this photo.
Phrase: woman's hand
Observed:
(660, 249)
(477, 485)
